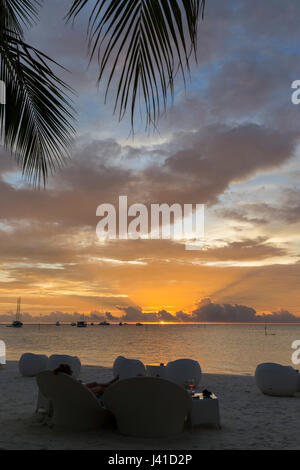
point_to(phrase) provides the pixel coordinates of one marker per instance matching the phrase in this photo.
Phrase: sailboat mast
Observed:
(18, 314)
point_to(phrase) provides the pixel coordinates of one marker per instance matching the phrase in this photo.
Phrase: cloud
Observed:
(199, 173)
(223, 154)
(240, 214)
(287, 209)
(255, 14)
(280, 316)
(165, 316)
(135, 314)
(208, 311)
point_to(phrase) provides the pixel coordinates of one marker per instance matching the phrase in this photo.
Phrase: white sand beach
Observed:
(250, 420)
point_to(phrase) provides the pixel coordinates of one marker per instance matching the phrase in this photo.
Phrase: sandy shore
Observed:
(250, 420)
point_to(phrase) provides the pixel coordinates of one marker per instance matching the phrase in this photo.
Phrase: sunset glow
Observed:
(238, 156)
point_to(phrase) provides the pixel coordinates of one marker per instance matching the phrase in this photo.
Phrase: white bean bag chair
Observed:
(298, 377)
(118, 365)
(75, 407)
(183, 370)
(73, 361)
(2, 353)
(127, 368)
(32, 364)
(298, 381)
(148, 406)
(276, 380)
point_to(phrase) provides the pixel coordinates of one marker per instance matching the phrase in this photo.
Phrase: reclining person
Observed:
(96, 388)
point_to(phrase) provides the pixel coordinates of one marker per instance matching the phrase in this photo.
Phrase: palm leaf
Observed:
(18, 13)
(35, 124)
(146, 42)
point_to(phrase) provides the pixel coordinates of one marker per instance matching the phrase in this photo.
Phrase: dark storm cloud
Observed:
(281, 316)
(207, 311)
(135, 314)
(233, 153)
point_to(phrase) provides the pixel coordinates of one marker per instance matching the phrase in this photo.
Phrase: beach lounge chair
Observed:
(54, 361)
(127, 368)
(183, 370)
(31, 364)
(148, 406)
(276, 380)
(75, 407)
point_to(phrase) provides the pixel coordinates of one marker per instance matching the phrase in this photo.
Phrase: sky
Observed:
(229, 141)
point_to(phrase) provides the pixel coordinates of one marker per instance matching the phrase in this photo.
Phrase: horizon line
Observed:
(161, 323)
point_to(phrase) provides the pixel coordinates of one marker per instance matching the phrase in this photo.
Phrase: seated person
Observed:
(96, 388)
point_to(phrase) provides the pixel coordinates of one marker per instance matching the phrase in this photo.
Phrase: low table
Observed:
(204, 411)
(156, 370)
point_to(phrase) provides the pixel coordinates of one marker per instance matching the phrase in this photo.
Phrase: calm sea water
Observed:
(229, 349)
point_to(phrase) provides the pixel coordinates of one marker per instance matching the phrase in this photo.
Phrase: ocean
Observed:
(223, 349)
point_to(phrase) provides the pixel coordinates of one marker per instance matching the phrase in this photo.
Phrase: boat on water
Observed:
(120, 324)
(73, 324)
(17, 322)
(57, 323)
(81, 323)
(104, 323)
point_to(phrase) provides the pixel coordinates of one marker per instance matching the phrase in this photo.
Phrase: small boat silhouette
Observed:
(17, 322)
